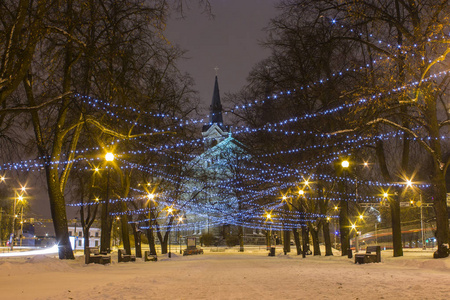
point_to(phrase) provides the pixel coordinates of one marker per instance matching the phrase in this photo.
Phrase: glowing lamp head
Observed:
(96, 199)
(24, 188)
(170, 210)
(2, 178)
(180, 219)
(268, 216)
(151, 196)
(408, 183)
(345, 164)
(336, 208)
(328, 218)
(306, 182)
(301, 192)
(109, 156)
(361, 217)
(385, 195)
(20, 198)
(96, 169)
(284, 198)
(353, 226)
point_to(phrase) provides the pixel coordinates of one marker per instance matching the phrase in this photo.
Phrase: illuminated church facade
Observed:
(217, 172)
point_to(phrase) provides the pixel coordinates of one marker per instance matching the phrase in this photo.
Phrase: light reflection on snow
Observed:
(51, 250)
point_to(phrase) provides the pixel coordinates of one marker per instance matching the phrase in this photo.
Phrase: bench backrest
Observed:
(93, 250)
(371, 249)
(374, 250)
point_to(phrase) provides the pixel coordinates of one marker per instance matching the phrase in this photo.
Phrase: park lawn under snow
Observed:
(228, 275)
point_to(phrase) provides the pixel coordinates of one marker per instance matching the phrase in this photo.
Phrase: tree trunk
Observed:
(59, 216)
(315, 238)
(323, 205)
(326, 236)
(86, 244)
(394, 200)
(441, 211)
(137, 240)
(396, 225)
(305, 239)
(297, 241)
(164, 246)
(287, 241)
(151, 241)
(125, 231)
(344, 227)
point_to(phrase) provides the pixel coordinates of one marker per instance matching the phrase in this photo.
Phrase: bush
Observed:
(207, 239)
(232, 240)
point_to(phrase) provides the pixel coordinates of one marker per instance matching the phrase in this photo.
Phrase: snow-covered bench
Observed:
(93, 256)
(192, 250)
(372, 255)
(149, 257)
(124, 257)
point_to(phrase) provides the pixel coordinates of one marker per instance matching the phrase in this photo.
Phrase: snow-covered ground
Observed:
(228, 275)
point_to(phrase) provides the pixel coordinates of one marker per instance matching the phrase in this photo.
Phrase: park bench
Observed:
(124, 257)
(149, 257)
(192, 250)
(372, 255)
(93, 256)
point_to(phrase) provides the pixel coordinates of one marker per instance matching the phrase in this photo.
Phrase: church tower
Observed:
(215, 131)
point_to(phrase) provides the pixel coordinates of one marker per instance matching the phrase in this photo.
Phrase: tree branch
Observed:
(18, 110)
(120, 135)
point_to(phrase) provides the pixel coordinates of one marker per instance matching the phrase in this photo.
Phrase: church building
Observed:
(217, 201)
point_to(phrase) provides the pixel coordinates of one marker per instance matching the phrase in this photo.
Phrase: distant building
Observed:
(42, 234)
(77, 239)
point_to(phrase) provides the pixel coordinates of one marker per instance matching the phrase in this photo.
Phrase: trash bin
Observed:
(272, 251)
(349, 253)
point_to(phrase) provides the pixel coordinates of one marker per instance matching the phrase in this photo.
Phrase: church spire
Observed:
(215, 109)
(215, 131)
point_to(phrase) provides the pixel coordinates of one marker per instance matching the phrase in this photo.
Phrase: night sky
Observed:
(229, 41)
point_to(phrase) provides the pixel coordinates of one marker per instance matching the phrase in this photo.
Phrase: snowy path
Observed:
(228, 276)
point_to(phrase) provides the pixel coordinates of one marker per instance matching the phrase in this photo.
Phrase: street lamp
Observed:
(169, 212)
(268, 216)
(20, 198)
(106, 230)
(345, 164)
(151, 198)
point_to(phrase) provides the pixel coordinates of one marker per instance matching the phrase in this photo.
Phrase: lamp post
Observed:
(170, 212)
(21, 220)
(269, 242)
(335, 228)
(345, 164)
(180, 220)
(106, 229)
